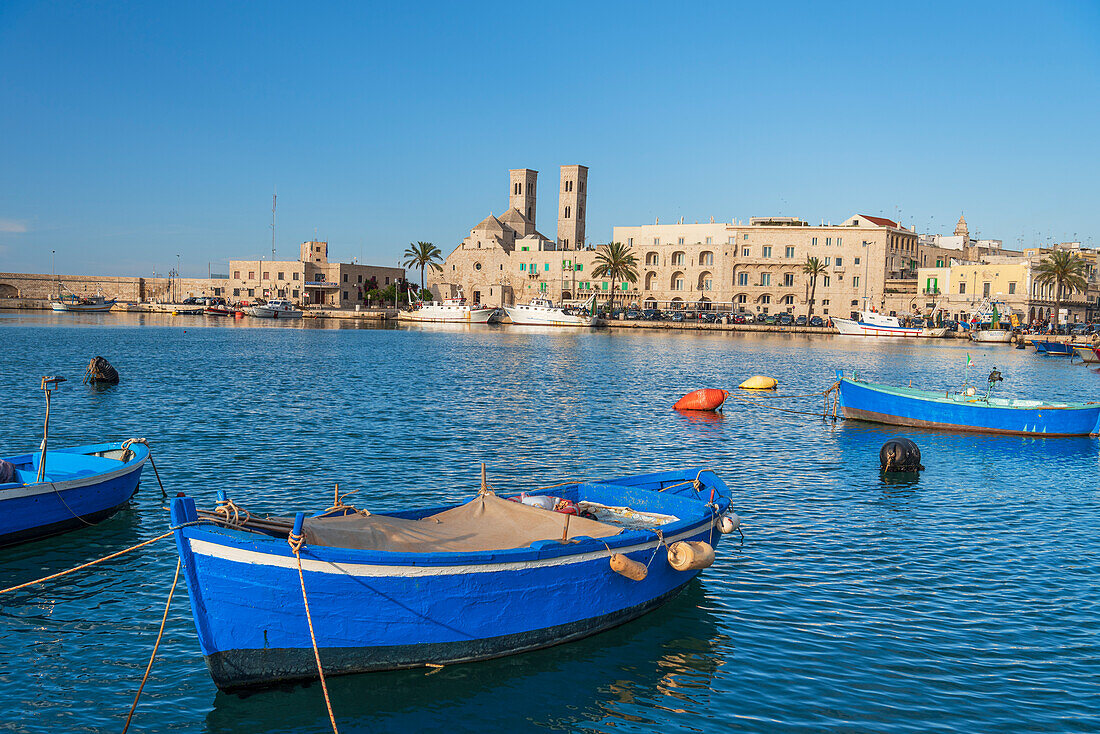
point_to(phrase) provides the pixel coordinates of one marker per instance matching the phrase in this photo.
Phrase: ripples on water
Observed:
(964, 600)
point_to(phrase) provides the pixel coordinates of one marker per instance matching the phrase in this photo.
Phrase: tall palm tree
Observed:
(616, 262)
(813, 267)
(1062, 268)
(423, 255)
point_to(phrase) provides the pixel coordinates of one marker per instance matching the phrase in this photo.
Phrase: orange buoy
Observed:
(705, 399)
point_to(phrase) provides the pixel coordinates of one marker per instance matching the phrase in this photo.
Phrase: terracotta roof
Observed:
(880, 221)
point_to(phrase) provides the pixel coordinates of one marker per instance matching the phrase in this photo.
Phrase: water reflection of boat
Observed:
(656, 659)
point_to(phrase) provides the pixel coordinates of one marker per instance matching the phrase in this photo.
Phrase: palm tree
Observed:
(423, 255)
(813, 267)
(616, 262)
(1062, 268)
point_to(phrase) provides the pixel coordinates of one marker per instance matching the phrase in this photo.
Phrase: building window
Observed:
(1012, 288)
(477, 266)
(579, 267)
(813, 241)
(678, 258)
(765, 299)
(566, 210)
(523, 267)
(656, 240)
(789, 300)
(706, 258)
(629, 241)
(742, 279)
(294, 293)
(828, 241)
(252, 275)
(267, 275)
(680, 241)
(746, 237)
(360, 277)
(294, 276)
(962, 287)
(788, 279)
(766, 251)
(710, 240)
(731, 241)
(236, 274)
(857, 261)
(765, 279)
(838, 242)
(603, 285)
(345, 280)
(236, 291)
(788, 252)
(625, 286)
(387, 280)
(525, 249)
(826, 281)
(985, 290)
(546, 267)
(251, 291)
(707, 283)
(678, 284)
(345, 294)
(744, 252)
(742, 299)
(837, 261)
(855, 282)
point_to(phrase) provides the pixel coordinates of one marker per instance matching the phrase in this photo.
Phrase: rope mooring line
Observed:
(295, 542)
(160, 634)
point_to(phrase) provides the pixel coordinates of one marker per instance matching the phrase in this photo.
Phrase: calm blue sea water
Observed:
(963, 601)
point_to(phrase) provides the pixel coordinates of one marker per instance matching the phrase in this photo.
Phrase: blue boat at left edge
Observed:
(79, 487)
(380, 606)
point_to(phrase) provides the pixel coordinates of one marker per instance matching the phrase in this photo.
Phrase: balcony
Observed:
(931, 292)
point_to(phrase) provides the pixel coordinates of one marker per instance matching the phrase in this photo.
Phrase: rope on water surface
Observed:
(296, 542)
(160, 634)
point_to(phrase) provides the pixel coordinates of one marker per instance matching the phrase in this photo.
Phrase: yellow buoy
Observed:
(175, 313)
(759, 382)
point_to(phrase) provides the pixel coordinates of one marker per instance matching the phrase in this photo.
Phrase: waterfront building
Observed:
(311, 279)
(959, 286)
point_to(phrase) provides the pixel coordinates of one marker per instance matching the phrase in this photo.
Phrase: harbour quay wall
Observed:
(17, 290)
(705, 326)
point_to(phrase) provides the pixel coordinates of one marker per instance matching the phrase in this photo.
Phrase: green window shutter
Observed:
(523, 266)
(624, 286)
(546, 267)
(580, 266)
(605, 285)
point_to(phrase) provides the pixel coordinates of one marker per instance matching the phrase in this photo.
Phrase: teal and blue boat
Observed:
(440, 585)
(1053, 348)
(968, 410)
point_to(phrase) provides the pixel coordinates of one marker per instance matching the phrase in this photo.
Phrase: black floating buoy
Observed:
(100, 372)
(900, 455)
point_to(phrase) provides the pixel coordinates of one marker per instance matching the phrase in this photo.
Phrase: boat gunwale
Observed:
(14, 490)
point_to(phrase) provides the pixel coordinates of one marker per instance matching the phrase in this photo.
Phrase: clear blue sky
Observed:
(133, 132)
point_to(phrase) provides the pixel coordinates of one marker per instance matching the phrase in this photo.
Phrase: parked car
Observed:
(651, 314)
(739, 318)
(632, 315)
(769, 319)
(708, 316)
(817, 321)
(785, 319)
(677, 316)
(801, 320)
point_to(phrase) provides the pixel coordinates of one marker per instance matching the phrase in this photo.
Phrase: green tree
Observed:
(423, 255)
(1062, 268)
(813, 267)
(616, 262)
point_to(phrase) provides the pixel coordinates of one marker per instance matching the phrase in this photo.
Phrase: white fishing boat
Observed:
(933, 332)
(79, 304)
(873, 323)
(450, 311)
(276, 308)
(986, 319)
(1087, 353)
(543, 312)
(991, 336)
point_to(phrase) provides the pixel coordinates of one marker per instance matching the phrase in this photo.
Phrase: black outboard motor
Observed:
(899, 455)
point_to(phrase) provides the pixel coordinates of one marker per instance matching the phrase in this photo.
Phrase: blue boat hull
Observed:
(860, 401)
(82, 489)
(378, 611)
(1054, 349)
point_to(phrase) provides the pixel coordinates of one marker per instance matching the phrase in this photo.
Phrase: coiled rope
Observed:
(296, 542)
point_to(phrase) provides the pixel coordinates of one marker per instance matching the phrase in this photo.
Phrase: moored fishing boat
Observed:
(1087, 353)
(543, 312)
(441, 585)
(991, 336)
(80, 304)
(276, 308)
(872, 323)
(217, 307)
(53, 490)
(967, 410)
(1053, 348)
(450, 311)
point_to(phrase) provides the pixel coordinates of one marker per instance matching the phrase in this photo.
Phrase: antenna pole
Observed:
(273, 195)
(484, 486)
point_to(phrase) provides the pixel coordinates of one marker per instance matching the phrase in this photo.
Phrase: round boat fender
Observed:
(728, 523)
(690, 555)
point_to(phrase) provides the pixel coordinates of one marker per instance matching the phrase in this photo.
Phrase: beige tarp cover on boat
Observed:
(485, 523)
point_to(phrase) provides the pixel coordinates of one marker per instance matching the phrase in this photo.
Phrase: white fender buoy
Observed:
(624, 566)
(728, 523)
(690, 555)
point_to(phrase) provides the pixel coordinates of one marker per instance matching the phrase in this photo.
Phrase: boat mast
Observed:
(273, 195)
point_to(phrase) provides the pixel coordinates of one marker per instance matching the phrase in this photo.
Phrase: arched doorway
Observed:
(7, 290)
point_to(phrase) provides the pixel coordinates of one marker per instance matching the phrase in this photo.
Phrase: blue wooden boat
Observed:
(78, 487)
(965, 411)
(440, 585)
(1053, 348)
